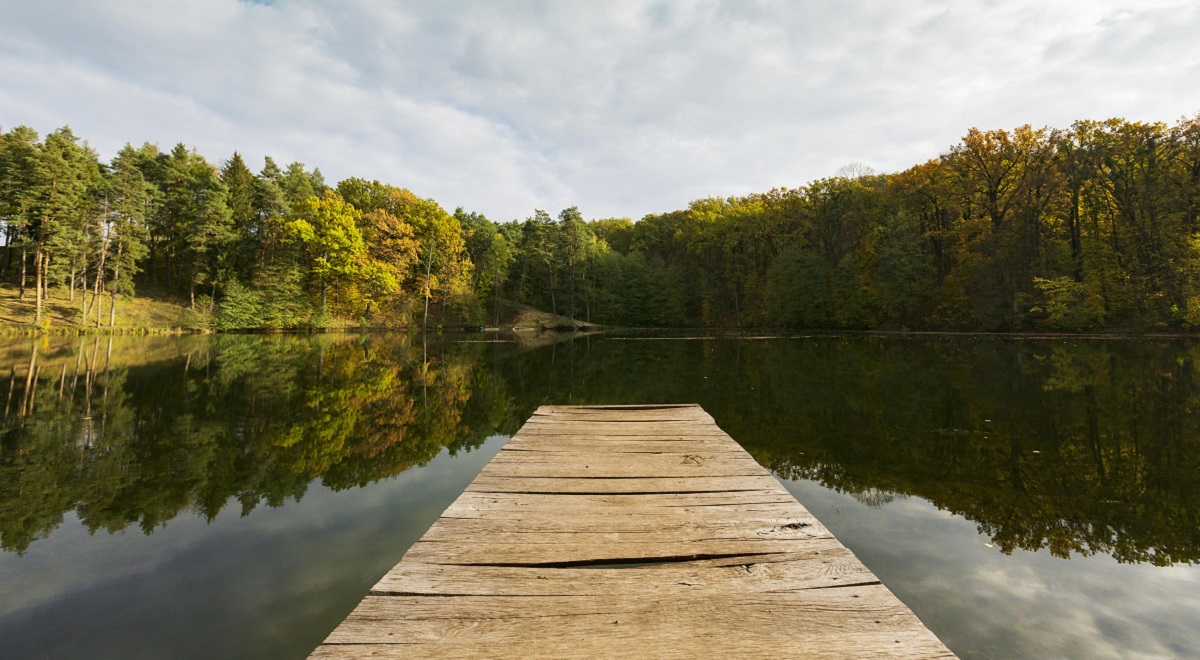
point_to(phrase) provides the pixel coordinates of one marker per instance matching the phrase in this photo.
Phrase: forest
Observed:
(1091, 228)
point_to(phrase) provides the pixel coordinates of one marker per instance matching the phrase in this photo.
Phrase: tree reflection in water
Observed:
(1074, 446)
(168, 425)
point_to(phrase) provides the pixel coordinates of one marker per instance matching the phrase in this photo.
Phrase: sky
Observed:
(622, 108)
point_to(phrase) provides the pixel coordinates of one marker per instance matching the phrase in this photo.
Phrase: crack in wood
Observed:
(582, 420)
(646, 476)
(840, 586)
(635, 406)
(617, 562)
(438, 594)
(608, 492)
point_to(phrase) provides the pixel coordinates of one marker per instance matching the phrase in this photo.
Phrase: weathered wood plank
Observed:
(616, 445)
(579, 465)
(618, 417)
(637, 429)
(854, 621)
(665, 502)
(865, 645)
(624, 413)
(822, 565)
(665, 427)
(759, 521)
(487, 483)
(563, 550)
(628, 532)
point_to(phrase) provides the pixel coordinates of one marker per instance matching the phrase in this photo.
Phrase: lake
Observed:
(237, 495)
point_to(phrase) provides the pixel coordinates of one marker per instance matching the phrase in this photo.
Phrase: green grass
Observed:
(152, 311)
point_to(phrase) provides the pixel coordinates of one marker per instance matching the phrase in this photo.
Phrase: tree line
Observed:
(1087, 228)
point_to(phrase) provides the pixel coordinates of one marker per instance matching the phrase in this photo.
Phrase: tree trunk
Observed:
(553, 303)
(29, 378)
(112, 308)
(37, 283)
(9, 235)
(1076, 245)
(99, 298)
(22, 296)
(99, 275)
(192, 292)
(428, 289)
(96, 297)
(737, 305)
(84, 291)
(45, 276)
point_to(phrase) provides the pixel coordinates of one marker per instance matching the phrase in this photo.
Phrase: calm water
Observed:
(236, 496)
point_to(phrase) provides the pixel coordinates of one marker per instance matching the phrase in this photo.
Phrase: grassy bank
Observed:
(155, 312)
(161, 311)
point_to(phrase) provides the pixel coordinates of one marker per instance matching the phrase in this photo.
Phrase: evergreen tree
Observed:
(131, 201)
(240, 183)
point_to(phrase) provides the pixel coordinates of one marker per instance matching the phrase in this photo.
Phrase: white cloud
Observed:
(623, 108)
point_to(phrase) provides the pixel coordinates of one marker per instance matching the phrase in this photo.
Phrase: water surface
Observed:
(237, 495)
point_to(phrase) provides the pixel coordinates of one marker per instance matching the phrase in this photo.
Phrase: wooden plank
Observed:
(563, 550)
(577, 445)
(559, 504)
(737, 644)
(756, 520)
(624, 417)
(628, 532)
(523, 619)
(824, 565)
(647, 464)
(864, 621)
(492, 483)
(653, 432)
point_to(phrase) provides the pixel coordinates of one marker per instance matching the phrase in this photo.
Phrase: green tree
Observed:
(19, 171)
(326, 228)
(131, 201)
(578, 247)
(243, 215)
(299, 184)
(57, 204)
(202, 222)
(270, 208)
(443, 264)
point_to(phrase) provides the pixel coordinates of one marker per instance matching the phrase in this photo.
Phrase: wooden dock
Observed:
(628, 531)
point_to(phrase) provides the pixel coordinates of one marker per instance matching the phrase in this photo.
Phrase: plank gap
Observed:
(617, 562)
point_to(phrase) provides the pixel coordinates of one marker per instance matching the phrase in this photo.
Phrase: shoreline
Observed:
(613, 331)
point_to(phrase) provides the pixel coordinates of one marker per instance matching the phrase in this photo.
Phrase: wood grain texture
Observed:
(628, 531)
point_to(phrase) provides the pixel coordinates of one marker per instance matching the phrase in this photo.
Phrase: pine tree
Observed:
(241, 184)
